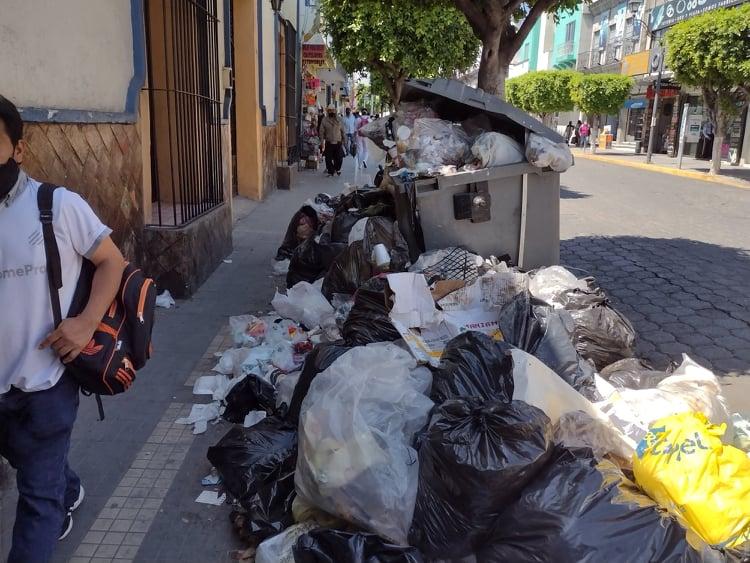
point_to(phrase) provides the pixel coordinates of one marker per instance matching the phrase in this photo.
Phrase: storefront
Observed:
(698, 132)
(635, 110)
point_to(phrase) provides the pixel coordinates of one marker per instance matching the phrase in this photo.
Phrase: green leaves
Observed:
(541, 92)
(399, 40)
(713, 51)
(597, 94)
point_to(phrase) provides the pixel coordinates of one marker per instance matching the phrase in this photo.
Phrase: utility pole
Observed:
(655, 112)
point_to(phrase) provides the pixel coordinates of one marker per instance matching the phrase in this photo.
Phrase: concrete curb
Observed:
(666, 170)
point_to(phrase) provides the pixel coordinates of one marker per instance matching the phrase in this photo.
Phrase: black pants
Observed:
(334, 157)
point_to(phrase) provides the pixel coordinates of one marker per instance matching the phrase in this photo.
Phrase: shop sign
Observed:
(635, 103)
(313, 53)
(666, 92)
(636, 64)
(674, 11)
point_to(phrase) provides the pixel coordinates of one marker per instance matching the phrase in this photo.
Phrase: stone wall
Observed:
(102, 162)
(181, 259)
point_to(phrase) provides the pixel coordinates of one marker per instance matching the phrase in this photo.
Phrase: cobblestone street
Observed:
(673, 254)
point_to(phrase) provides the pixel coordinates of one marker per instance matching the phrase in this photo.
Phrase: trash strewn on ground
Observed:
(443, 405)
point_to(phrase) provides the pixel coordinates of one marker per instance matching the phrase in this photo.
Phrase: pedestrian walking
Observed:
(576, 140)
(584, 132)
(362, 152)
(38, 399)
(569, 128)
(332, 134)
(350, 126)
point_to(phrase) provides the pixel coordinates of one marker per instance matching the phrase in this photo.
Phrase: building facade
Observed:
(159, 112)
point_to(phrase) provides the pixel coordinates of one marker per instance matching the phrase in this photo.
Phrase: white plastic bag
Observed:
(247, 330)
(231, 361)
(496, 149)
(435, 143)
(356, 426)
(543, 153)
(165, 300)
(278, 549)
(303, 303)
(691, 388)
(547, 283)
(285, 385)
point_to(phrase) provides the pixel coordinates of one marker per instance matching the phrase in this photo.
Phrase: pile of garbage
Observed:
(419, 141)
(461, 409)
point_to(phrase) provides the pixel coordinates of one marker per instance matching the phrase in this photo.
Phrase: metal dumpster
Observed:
(513, 210)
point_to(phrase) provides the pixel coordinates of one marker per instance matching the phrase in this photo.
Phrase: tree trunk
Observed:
(493, 66)
(720, 128)
(398, 88)
(593, 134)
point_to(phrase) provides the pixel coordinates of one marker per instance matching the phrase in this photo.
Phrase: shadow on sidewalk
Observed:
(568, 193)
(683, 296)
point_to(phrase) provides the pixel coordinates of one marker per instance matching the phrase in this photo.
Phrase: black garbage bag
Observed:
(382, 230)
(292, 239)
(367, 199)
(369, 320)
(474, 459)
(334, 546)
(602, 334)
(546, 333)
(269, 511)
(255, 463)
(311, 260)
(633, 373)
(253, 393)
(474, 365)
(349, 270)
(580, 510)
(320, 359)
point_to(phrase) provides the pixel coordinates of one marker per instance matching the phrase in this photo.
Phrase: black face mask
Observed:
(8, 176)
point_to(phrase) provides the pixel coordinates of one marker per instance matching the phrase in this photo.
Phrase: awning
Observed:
(636, 103)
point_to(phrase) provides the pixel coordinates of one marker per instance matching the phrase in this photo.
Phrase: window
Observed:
(570, 31)
(525, 55)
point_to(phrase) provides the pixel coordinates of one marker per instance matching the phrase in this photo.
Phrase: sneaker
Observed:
(66, 527)
(79, 500)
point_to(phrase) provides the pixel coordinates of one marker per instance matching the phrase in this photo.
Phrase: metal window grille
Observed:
(185, 105)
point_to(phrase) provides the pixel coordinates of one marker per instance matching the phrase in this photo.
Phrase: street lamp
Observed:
(276, 5)
(634, 6)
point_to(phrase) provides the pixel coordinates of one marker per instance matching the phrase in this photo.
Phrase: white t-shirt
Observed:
(24, 290)
(350, 124)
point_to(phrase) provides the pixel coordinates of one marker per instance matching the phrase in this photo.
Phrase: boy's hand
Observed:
(70, 338)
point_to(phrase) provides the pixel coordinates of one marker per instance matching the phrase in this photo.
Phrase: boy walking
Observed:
(38, 400)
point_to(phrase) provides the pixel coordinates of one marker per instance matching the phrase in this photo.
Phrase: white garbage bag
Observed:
(303, 303)
(691, 388)
(548, 283)
(496, 149)
(231, 361)
(165, 300)
(357, 422)
(278, 549)
(543, 153)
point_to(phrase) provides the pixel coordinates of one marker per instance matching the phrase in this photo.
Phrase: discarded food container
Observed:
(512, 209)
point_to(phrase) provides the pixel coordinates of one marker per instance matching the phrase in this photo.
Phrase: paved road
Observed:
(672, 253)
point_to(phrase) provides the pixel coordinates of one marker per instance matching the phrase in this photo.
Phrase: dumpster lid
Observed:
(452, 99)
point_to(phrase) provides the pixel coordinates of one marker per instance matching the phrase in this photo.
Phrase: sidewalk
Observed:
(738, 176)
(141, 472)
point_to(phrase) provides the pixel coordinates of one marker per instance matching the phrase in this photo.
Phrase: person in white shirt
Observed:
(362, 152)
(38, 400)
(350, 127)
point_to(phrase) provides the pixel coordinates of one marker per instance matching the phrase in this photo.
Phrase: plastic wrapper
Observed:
(382, 129)
(278, 549)
(257, 468)
(580, 510)
(474, 365)
(547, 283)
(349, 270)
(317, 361)
(333, 546)
(543, 153)
(547, 333)
(496, 149)
(683, 464)
(435, 143)
(304, 224)
(356, 426)
(369, 319)
(247, 330)
(632, 373)
(691, 388)
(304, 304)
(311, 261)
(474, 459)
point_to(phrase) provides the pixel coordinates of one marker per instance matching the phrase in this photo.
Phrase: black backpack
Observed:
(121, 344)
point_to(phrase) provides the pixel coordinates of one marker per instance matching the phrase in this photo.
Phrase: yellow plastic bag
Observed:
(683, 465)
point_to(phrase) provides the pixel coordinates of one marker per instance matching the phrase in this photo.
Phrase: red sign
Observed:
(666, 92)
(312, 83)
(313, 53)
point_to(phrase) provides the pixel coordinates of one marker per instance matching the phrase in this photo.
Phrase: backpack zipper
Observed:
(142, 298)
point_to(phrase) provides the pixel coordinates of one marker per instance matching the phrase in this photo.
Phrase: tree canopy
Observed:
(597, 94)
(408, 38)
(712, 52)
(541, 92)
